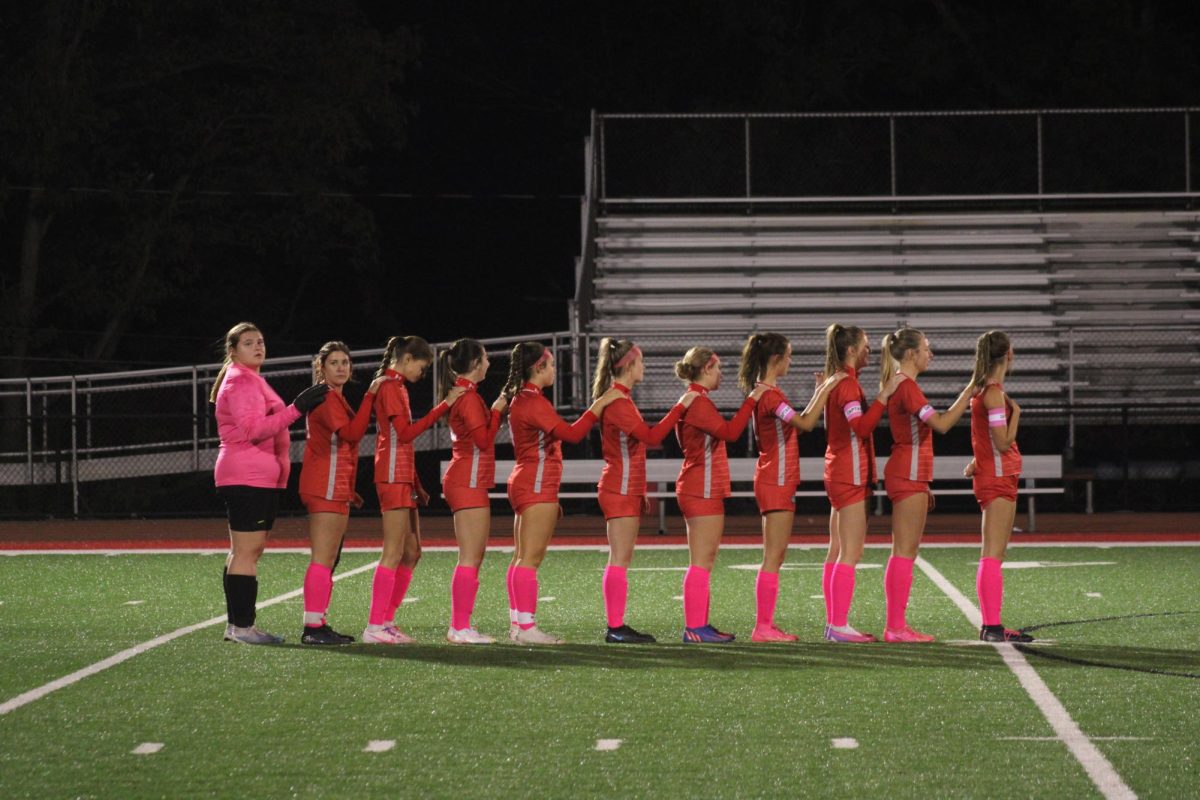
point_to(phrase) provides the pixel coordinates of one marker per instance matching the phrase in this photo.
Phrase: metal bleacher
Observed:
(1089, 296)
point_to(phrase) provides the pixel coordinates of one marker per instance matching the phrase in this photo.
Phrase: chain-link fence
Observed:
(848, 156)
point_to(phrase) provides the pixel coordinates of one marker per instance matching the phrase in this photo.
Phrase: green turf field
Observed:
(943, 720)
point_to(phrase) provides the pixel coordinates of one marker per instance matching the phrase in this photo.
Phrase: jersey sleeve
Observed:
(475, 419)
(912, 401)
(245, 408)
(547, 420)
(353, 431)
(704, 415)
(849, 404)
(624, 416)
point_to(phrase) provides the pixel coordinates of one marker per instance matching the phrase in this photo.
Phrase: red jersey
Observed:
(702, 433)
(989, 461)
(912, 439)
(538, 433)
(394, 459)
(473, 429)
(778, 448)
(331, 440)
(624, 436)
(850, 452)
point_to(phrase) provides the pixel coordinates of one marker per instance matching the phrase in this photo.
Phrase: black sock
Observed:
(241, 593)
(228, 596)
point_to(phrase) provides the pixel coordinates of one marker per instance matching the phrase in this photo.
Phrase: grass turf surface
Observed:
(735, 720)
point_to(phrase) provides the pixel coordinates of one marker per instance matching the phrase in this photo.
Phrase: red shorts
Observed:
(846, 494)
(395, 495)
(773, 497)
(319, 505)
(616, 505)
(464, 497)
(521, 498)
(988, 489)
(902, 488)
(691, 505)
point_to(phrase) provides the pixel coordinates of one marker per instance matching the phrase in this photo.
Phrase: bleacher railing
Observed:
(903, 156)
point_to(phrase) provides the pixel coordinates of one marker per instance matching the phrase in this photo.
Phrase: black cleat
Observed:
(999, 633)
(323, 635)
(627, 635)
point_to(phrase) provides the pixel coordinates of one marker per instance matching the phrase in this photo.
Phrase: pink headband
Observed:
(633, 353)
(712, 360)
(544, 358)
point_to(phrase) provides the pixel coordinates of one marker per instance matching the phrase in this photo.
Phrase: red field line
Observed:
(276, 543)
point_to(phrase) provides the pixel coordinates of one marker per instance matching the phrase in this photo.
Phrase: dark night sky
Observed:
(497, 101)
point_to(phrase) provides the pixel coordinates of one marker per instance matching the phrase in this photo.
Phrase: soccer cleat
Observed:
(381, 636)
(401, 636)
(627, 635)
(535, 635)
(906, 634)
(513, 630)
(847, 635)
(467, 636)
(769, 633)
(999, 633)
(706, 634)
(323, 634)
(250, 635)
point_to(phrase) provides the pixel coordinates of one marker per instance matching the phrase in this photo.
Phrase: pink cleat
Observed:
(906, 634)
(769, 633)
(847, 635)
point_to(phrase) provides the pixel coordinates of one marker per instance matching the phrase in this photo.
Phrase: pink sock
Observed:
(695, 597)
(463, 588)
(766, 590)
(841, 589)
(318, 588)
(616, 592)
(826, 582)
(403, 579)
(989, 585)
(381, 594)
(897, 586)
(512, 593)
(525, 585)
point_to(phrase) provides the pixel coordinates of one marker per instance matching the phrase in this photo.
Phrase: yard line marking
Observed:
(133, 602)
(379, 745)
(1093, 594)
(25, 698)
(604, 745)
(1093, 738)
(677, 597)
(147, 748)
(1050, 564)
(410, 599)
(654, 569)
(816, 597)
(846, 743)
(547, 599)
(1098, 768)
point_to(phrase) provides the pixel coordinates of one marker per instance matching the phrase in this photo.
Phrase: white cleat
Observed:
(467, 636)
(250, 635)
(535, 635)
(513, 630)
(381, 636)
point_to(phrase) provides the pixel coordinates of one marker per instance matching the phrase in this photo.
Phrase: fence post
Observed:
(557, 391)
(195, 419)
(746, 136)
(1187, 153)
(603, 164)
(1040, 176)
(892, 149)
(1071, 394)
(74, 446)
(87, 419)
(29, 427)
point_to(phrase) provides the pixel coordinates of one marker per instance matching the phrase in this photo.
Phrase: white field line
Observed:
(844, 743)
(147, 748)
(26, 698)
(586, 548)
(1097, 767)
(604, 745)
(379, 745)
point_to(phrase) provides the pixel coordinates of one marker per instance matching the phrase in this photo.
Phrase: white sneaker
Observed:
(381, 636)
(401, 636)
(513, 630)
(250, 635)
(535, 635)
(467, 636)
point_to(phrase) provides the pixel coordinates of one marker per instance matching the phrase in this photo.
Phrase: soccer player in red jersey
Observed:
(537, 433)
(849, 473)
(994, 471)
(405, 360)
(471, 472)
(327, 477)
(765, 359)
(703, 484)
(909, 468)
(624, 436)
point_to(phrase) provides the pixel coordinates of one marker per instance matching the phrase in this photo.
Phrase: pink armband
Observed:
(784, 412)
(852, 410)
(997, 418)
(925, 413)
